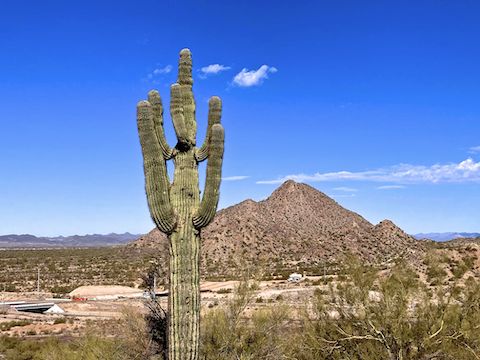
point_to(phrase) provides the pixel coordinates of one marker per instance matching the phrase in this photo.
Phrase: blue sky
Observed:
(375, 103)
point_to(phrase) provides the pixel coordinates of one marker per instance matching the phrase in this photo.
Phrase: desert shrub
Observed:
(137, 336)
(86, 348)
(229, 334)
(392, 317)
(5, 326)
(157, 328)
(13, 348)
(460, 268)
(132, 341)
(9, 287)
(436, 273)
(224, 291)
(61, 320)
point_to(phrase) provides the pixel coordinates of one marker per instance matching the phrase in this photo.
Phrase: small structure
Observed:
(12, 303)
(295, 277)
(39, 308)
(55, 309)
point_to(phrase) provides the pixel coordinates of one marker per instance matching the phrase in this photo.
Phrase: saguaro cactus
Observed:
(176, 208)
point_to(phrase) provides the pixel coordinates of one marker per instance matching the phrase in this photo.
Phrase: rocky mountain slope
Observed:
(297, 226)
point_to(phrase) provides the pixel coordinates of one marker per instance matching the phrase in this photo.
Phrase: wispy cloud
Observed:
(345, 189)
(160, 71)
(465, 171)
(235, 178)
(164, 70)
(343, 196)
(247, 78)
(213, 69)
(474, 150)
(391, 187)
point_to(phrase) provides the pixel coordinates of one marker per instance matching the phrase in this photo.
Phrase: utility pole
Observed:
(38, 281)
(154, 287)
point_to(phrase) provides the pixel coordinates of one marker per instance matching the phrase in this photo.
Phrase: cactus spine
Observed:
(176, 208)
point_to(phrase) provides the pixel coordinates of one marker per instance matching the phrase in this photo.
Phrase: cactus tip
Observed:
(143, 103)
(185, 52)
(154, 97)
(214, 100)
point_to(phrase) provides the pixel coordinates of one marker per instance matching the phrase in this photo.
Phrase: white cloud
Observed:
(235, 178)
(345, 189)
(213, 69)
(164, 70)
(247, 78)
(342, 196)
(391, 187)
(474, 150)
(465, 171)
(160, 71)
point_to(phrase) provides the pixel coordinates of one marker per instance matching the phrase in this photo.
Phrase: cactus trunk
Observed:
(176, 208)
(184, 294)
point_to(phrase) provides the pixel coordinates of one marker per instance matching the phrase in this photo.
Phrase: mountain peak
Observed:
(292, 189)
(386, 228)
(289, 185)
(386, 224)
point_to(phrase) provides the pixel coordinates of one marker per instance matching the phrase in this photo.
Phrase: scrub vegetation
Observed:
(62, 270)
(364, 314)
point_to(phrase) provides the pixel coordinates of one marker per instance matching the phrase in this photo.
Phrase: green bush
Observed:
(224, 291)
(59, 321)
(5, 326)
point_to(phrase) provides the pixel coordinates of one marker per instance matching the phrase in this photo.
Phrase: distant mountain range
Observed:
(94, 240)
(447, 236)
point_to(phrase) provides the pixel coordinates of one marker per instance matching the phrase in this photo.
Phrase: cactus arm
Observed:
(214, 116)
(208, 205)
(185, 68)
(157, 108)
(185, 81)
(176, 111)
(157, 185)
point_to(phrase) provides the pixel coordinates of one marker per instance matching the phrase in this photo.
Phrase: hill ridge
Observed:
(88, 240)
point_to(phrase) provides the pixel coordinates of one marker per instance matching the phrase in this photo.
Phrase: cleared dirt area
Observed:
(103, 290)
(80, 315)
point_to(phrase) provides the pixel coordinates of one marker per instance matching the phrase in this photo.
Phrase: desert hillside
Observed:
(296, 226)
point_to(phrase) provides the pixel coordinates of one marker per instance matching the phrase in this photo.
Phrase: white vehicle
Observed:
(295, 277)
